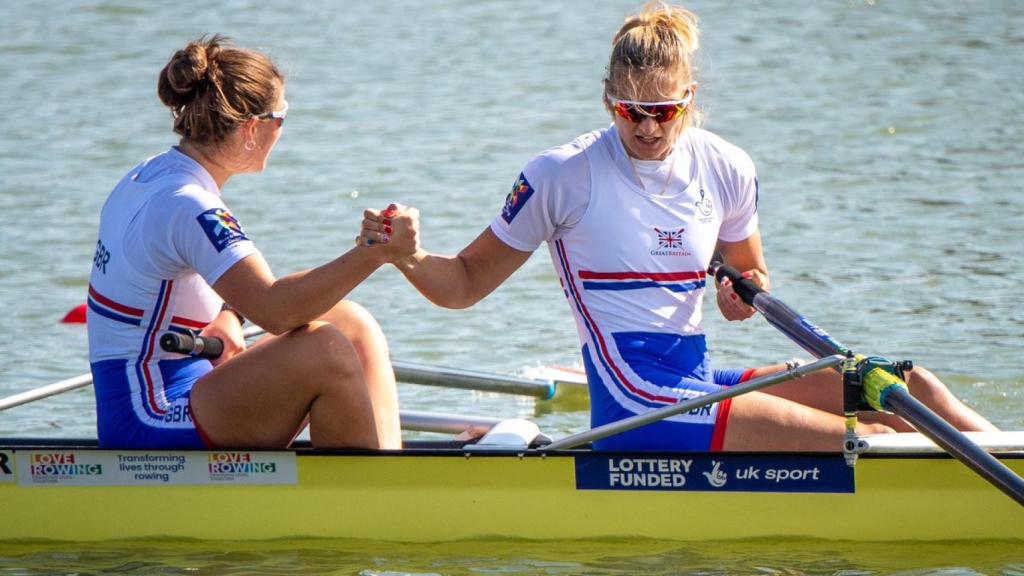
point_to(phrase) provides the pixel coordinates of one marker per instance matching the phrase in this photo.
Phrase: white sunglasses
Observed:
(274, 114)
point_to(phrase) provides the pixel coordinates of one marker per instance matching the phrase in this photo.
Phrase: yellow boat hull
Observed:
(438, 495)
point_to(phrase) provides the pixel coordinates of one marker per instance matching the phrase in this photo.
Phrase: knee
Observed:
(358, 325)
(331, 351)
(925, 385)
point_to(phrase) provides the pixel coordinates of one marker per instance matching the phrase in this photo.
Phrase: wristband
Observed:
(229, 308)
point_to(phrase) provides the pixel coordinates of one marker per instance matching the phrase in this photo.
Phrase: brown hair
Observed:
(212, 88)
(650, 50)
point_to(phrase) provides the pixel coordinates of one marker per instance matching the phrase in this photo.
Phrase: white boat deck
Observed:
(914, 442)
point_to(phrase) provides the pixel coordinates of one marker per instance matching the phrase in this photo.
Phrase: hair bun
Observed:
(212, 88)
(187, 70)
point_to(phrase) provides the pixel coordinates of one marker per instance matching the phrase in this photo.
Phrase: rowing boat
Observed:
(447, 490)
(514, 482)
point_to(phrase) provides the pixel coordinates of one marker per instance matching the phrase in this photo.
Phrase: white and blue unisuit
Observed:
(165, 237)
(632, 261)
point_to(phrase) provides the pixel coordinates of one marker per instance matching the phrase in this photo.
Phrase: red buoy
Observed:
(75, 316)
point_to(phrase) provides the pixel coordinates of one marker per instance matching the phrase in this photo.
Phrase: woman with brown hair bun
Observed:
(171, 257)
(632, 214)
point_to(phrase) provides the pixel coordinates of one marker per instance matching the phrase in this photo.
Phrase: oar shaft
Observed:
(409, 372)
(445, 423)
(46, 391)
(970, 454)
(812, 339)
(898, 399)
(639, 420)
(413, 373)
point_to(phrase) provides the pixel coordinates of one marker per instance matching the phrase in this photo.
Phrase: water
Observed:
(494, 557)
(887, 137)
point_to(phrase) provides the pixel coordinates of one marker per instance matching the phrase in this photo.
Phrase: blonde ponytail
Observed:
(653, 51)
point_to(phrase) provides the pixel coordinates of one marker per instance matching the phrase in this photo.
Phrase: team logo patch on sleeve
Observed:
(521, 192)
(221, 228)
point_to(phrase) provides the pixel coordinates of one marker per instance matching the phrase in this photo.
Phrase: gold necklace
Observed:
(671, 169)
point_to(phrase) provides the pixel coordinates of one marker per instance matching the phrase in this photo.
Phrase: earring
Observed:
(250, 145)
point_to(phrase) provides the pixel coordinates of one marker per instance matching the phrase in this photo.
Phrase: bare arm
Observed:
(745, 255)
(463, 280)
(282, 304)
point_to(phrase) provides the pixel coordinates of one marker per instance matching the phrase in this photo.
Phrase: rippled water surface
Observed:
(887, 135)
(554, 558)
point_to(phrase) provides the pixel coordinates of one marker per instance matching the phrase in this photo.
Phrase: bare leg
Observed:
(823, 390)
(372, 349)
(927, 388)
(759, 421)
(262, 397)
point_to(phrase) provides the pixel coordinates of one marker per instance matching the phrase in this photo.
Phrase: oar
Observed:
(792, 371)
(409, 372)
(882, 389)
(45, 391)
(413, 373)
(76, 382)
(446, 423)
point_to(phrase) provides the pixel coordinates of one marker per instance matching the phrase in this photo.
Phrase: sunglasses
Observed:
(661, 112)
(275, 114)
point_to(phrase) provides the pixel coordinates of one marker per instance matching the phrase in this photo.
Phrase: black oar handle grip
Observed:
(193, 345)
(743, 286)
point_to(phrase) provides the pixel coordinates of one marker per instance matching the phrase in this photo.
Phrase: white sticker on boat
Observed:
(6, 466)
(134, 468)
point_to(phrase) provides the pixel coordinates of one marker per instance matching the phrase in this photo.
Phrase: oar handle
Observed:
(744, 287)
(192, 344)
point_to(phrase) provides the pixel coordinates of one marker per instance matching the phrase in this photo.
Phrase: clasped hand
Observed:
(393, 232)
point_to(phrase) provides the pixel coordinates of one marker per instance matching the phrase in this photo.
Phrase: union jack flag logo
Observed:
(670, 238)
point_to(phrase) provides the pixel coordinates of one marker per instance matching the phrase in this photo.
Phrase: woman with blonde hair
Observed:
(632, 215)
(171, 257)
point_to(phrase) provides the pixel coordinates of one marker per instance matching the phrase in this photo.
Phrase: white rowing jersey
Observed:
(632, 257)
(165, 237)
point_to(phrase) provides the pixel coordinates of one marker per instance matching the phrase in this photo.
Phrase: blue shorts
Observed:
(671, 361)
(140, 407)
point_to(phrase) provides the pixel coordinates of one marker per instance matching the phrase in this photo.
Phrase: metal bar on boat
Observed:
(791, 372)
(414, 373)
(445, 423)
(897, 398)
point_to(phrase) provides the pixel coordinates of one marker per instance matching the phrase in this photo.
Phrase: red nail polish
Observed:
(387, 229)
(733, 296)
